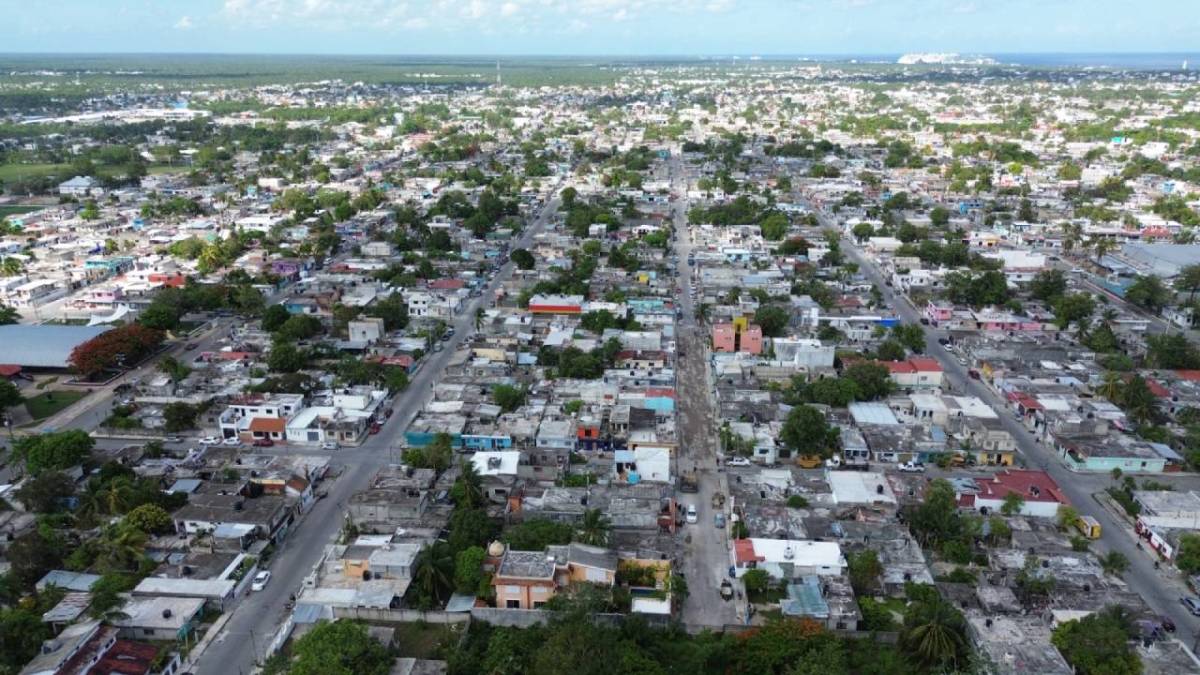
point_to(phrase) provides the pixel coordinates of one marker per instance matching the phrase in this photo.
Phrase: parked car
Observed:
(692, 516)
(263, 442)
(210, 440)
(912, 467)
(374, 429)
(737, 461)
(329, 445)
(190, 346)
(1191, 603)
(719, 521)
(260, 580)
(232, 441)
(173, 439)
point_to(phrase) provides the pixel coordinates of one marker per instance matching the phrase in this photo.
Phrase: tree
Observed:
(1073, 308)
(286, 357)
(433, 572)
(33, 554)
(594, 528)
(936, 517)
(934, 633)
(1048, 285)
(468, 570)
(8, 315)
(1067, 517)
(873, 379)
(1098, 644)
(274, 317)
(1189, 281)
(523, 259)
(179, 416)
(299, 327)
(774, 226)
(773, 320)
(536, 534)
(1138, 401)
(863, 231)
(1187, 558)
(11, 267)
(508, 397)
(46, 492)
(10, 396)
(118, 348)
(54, 451)
(864, 571)
(339, 648)
(467, 491)
(1148, 292)
(1171, 352)
(756, 580)
(806, 432)
(151, 519)
(173, 368)
(890, 350)
(911, 335)
(1114, 563)
(569, 195)
(1012, 504)
(939, 217)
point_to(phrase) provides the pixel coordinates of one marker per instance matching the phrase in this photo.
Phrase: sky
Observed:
(599, 27)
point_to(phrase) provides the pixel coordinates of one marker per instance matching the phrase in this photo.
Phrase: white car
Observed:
(737, 461)
(329, 445)
(912, 467)
(210, 440)
(260, 581)
(691, 514)
(232, 441)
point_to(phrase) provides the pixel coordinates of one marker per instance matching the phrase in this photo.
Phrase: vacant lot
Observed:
(47, 403)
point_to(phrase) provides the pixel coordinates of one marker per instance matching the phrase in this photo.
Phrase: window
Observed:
(513, 604)
(538, 605)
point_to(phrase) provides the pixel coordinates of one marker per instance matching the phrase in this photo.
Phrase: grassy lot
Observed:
(18, 171)
(47, 403)
(156, 169)
(426, 640)
(17, 209)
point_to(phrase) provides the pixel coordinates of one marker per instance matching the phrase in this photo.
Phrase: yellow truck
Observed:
(1089, 526)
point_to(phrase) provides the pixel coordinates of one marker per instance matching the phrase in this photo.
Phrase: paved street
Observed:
(1157, 587)
(257, 617)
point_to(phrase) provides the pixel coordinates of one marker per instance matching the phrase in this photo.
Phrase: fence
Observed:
(400, 615)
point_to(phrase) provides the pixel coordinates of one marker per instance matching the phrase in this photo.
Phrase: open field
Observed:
(10, 172)
(50, 402)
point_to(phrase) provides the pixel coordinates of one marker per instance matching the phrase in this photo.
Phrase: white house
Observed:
(787, 559)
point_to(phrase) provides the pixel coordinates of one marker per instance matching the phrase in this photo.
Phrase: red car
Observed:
(375, 428)
(263, 442)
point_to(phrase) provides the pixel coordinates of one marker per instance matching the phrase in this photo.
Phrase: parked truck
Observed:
(688, 482)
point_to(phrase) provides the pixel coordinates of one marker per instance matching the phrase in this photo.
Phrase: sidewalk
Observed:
(213, 631)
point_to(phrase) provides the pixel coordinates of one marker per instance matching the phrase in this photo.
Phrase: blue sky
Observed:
(682, 27)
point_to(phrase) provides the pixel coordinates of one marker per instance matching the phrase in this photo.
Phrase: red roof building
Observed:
(1039, 493)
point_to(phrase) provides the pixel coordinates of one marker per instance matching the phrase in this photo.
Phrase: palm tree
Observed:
(595, 528)
(433, 570)
(1071, 235)
(1111, 387)
(8, 315)
(934, 633)
(468, 489)
(11, 267)
(172, 367)
(478, 318)
(1103, 246)
(91, 502)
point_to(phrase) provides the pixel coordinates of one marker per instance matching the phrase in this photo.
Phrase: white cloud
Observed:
(509, 8)
(184, 23)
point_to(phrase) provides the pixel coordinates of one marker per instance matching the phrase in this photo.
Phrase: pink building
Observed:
(724, 338)
(940, 311)
(752, 340)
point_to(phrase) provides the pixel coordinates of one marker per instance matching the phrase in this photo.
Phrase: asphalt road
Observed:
(257, 617)
(1155, 586)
